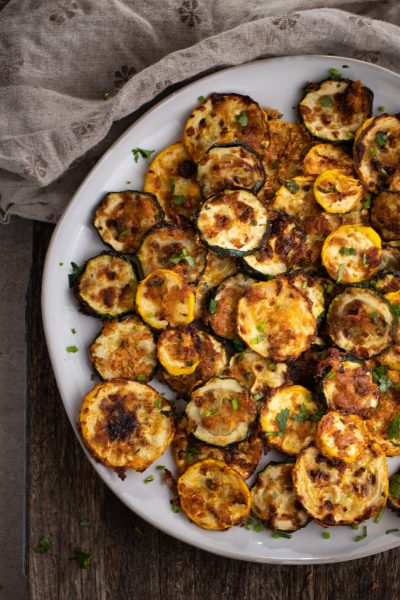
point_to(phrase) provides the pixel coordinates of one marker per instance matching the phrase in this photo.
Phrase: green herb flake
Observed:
(178, 200)
(175, 508)
(325, 101)
(85, 523)
(128, 182)
(292, 186)
(82, 558)
(258, 527)
(381, 138)
(261, 326)
(331, 374)
(380, 377)
(347, 251)
(43, 546)
(212, 307)
(242, 118)
(355, 527)
(76, 271)
(160, 467)
(72, 349)
(184, 255)
(73, 331)
(281, 534)
(123, 233)
(253, 222)
(140, 152)
(281, 419)
(303, 414)
(258, 396)
(191, 452)
(394, 486)
(148, 479)
(381, 109)
(141, 378)
(248, 524)
(271, 366)
(239, 345)
(364, 260)
(335, 73)
(329, 288)
(394, 428)
(158, 403)
(342, 267)
(235, 403)
(374, 152)
(382, 173)
(379, 516)
(106, 95)
(345, 67)
(257, 340)
(394, 530)
(326, 535)
(374, 317)
(363, 535)
(367, 198)
(60, 264)
(201, 99)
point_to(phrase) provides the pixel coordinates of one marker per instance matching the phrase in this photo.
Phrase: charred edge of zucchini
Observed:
(161, 216)
(166, 225)
(84, 307)
(314, 86)
(379, 279)
(260, 182)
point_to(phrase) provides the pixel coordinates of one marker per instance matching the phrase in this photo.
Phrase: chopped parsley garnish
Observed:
(239, 345)
(342, 267)
(367, 203)
(364, 259)
(60, 264)
(335, 73)
(175, 508)
(261, 326)
(394, 428)
(258, 339)
(249, 523)
(374, 317)
(258, 396)
(235, 403)
(72, 349)
(292, 186)
(394, 530)
(191, 452)
(141, 378)
(363, 535)
(160, 467)
(379, 515)
(82, 558)
(76, 271)
(329, 288)
(253, 222)
(73, 331)
(158, 403)
(325, 101)
(242, 118)
(178, 200)
(85, 523)
(148, 479)
(201, 99)
(258, 527)
(394, 486)
(347, 251)
(281, 534)
(326, 535)
(380, 377)
(281, 419)
(184, 255)
(272, 366)
(303, 415)
(212, 307)
(211, 412)
(381, 109)
(355, 527)
(137, 152)
(374, 152)
(345, 67)
(331, 374)
(106, 95)
(43, 546)
(123, 233)
(381, 138)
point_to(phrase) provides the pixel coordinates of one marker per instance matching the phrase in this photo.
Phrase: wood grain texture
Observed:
(63, 489)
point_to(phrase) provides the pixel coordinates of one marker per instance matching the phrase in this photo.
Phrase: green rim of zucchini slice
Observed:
(334, 109)
(177, 249)
(220, 412)
(394, 491)
(223, 303)
(337, 495)
(124, 350)
(233, 222)
(362, 322)
(107, 286)
(230, 166)
(225, 118)
(274, 501)
(122, 219)
(280, 247)
(275, 320)
(377, 153)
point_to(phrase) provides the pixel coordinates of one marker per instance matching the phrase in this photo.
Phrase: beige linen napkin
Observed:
(75, 73)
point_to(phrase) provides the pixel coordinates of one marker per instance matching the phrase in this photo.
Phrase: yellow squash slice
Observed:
(384, 424)
(257, 373)
(126, 424)
(163, 299)
(213, 495)
(341, 436)
(391, 357)
(336, 192)
(217, 269)
(296, 198)
(178, 350)
(322, 157)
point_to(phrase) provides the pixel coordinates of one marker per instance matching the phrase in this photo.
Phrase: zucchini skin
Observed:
(85, 307)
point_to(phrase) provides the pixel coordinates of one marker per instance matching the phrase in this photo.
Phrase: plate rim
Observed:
(205, 545)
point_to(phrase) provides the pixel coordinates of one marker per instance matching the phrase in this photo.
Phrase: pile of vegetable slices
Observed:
(258, 276)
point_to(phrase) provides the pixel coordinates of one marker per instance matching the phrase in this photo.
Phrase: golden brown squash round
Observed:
(385, 215)
(384, 424)
(341, 436)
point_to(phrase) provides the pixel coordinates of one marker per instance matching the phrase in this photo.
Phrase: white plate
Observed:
(276, 83)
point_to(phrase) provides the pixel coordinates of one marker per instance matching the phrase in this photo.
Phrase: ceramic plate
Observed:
(273, 82)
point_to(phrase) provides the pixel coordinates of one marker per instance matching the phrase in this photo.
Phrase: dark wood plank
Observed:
(63, 489)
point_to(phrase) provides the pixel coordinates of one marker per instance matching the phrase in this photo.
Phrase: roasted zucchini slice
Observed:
(163, 299)
(391, 256)
(394, 491)
(213, 361)
(341, 436)
(352, 253)
(336, 192)
(243, 457)
(233, 222)
(296, 198)
(257, 373)
(222, 308)
(313, 287)
(322, 157)
(384, 424)
(178, 249)
(377, 153)
(347, 385)
(362, 322)
(289, 418)
(220, 412)
(385, 215)
(124, 350)
(273, 499)
(334, 494)
(229, 167)
(126, 424)
(223, 118)
(334, 109)
(387, 281)
(178, 350)
(217, 269)
(172, 178)
(213, 495)
(268, 320)
(122, 219)
(391, 357)
(107, 286)
(280, 247)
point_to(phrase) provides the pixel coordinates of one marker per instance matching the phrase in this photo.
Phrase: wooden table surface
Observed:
(130, 563)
